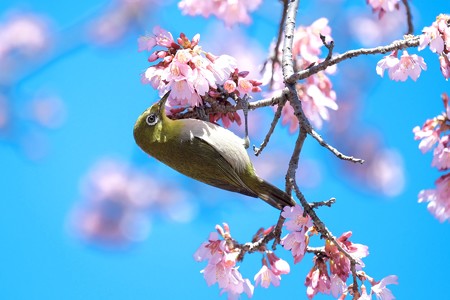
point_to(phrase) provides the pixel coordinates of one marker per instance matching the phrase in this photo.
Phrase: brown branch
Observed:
(408, 17)
(323, 230)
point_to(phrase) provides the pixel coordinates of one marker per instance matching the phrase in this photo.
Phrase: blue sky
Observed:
(44, 258)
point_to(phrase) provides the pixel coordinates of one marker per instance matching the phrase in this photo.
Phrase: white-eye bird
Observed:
(203, 151)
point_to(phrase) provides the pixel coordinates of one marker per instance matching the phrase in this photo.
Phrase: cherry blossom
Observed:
(318, 280)
(230, 11)
(441, 154)
(437, 35)
(338, 286)
(221, 267)
(266, 276)
(428, 134)
(297, 240)
(438, 198)
(381, 291)
(401, 69)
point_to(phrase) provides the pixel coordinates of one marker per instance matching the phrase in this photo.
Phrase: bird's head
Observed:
(147, 128)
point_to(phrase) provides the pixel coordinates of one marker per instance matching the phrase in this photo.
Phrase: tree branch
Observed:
(410, 41)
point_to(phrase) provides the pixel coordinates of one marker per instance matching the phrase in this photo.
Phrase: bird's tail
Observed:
(274, 196)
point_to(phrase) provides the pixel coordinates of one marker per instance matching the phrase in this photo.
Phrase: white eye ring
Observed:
(151, 119)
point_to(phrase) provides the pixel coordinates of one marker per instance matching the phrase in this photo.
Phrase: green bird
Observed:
(203, 151)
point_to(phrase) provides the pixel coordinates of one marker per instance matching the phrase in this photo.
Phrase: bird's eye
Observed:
(151, 119)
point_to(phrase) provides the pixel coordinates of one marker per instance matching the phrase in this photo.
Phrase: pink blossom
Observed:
(266, 276)
(296, 242)
(231, 12)
(160, 37)
(441, 155)
(432, 38)
(383, 6)
(317, 100)
(428, 134)
(438, 199)
(387, 62)
(338, 286)
(318, 280)
(307, 42)
(400, 69)
(436, 36)
(380, 289)
(221, 267)
(229, 86)
(184, 68)
(296, 221)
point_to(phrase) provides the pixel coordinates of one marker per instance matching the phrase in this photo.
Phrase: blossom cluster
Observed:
(434, 133)
(193, 75)
(329, 273)
(116, 200)
(230, 11)
(316, 92)
(436, 37)
(222, 256)
(331, 267)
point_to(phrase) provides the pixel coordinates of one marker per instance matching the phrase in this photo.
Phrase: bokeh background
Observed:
(86, 215)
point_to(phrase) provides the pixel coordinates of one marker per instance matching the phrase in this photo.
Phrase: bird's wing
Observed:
(231, 180)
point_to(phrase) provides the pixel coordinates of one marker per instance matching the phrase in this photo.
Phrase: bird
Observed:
(205, 152)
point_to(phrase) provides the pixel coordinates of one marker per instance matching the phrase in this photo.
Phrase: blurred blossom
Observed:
(119, 18)
(117, 200)
(370, 33)
(23, 37)
(230, 11)
(383, 6)
(47, 111)
(386, 172)
(24, 33)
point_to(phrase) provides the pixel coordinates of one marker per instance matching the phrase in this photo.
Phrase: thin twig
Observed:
(260, 245)
(408, 17)
(333, 150)
(410, 41)
(328, 203)
(274, 123)
(329, 46)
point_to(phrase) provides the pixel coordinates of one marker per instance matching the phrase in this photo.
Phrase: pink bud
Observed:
(153, 57)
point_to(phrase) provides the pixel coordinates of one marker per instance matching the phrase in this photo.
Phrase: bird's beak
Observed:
(162, 102)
